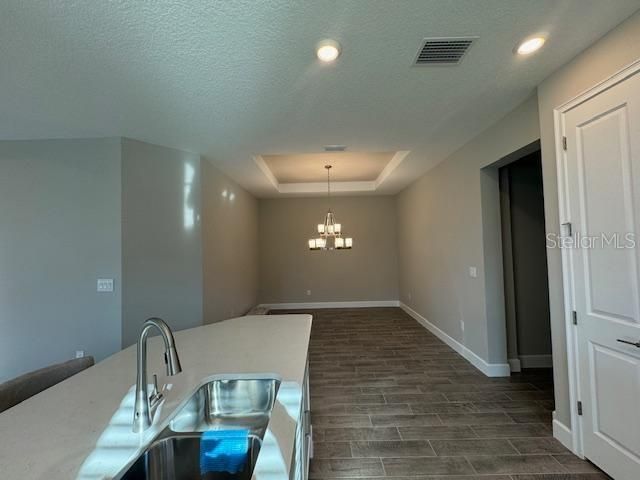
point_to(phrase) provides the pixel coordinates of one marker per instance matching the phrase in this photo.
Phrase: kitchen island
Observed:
(82, 428)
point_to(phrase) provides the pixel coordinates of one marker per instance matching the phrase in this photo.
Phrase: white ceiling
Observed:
(236, 79)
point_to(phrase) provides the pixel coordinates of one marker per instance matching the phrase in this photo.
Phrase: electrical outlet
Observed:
(462, 326)
(473, 272)
(104, 285)
(79, 353)
(308, 293)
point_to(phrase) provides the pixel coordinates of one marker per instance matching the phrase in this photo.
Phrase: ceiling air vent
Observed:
(335, 148)
(443, 51)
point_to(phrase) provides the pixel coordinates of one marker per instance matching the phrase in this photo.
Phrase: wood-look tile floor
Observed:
(389, 399)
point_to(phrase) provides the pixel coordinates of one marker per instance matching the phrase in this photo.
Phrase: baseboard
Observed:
(489, 369)
(514, 364)
(562, 433)
(536, 361)
(362, 304)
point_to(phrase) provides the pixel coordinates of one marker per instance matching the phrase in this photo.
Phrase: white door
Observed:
(603, 186)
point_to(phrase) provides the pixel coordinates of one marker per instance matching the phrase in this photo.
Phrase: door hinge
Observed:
(564, 143)
(574, 316)
(579, 408)
(569, 228)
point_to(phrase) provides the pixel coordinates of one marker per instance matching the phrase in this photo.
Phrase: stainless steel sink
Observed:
(229, 403)
(222, 404)
(178, 458)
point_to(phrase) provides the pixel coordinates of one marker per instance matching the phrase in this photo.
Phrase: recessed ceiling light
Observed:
(530, 45)
(328, 50)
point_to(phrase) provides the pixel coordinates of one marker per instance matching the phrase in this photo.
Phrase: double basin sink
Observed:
(242, 404)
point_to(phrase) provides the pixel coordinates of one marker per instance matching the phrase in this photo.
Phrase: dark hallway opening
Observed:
(525, 264)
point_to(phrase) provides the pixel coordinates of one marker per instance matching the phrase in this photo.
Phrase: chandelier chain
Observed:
(328, 167)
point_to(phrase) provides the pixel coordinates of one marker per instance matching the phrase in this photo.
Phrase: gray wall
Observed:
(441, 234)
(288, 268)
(617, 49)
(59, 232)
(77, 210)
(531, 288)
(161, 238)
(229, 246)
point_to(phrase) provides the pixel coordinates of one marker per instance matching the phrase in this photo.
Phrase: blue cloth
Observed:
(223, 451)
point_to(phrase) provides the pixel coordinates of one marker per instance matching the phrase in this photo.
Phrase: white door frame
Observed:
(567, 267)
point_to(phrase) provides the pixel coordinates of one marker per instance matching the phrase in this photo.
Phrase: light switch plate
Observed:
(473, 272)
(105, 285)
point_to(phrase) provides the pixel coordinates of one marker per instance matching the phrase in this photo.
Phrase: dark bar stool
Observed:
(27, 385)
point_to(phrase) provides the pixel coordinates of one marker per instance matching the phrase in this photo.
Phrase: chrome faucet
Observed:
(145, 403)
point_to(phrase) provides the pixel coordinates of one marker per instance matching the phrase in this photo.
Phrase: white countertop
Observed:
(81, 428)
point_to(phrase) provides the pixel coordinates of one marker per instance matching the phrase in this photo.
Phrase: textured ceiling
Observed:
(309, 167)
(233, 79)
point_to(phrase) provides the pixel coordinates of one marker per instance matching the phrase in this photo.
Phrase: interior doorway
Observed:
(526, 286)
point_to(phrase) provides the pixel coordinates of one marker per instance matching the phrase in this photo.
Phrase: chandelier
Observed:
(330, 232)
